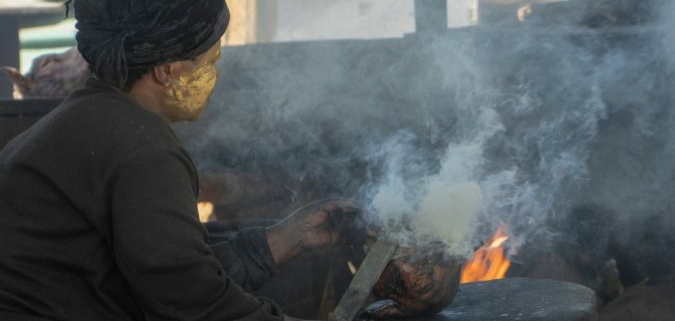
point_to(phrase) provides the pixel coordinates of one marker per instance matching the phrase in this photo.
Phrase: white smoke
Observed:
(453, 133)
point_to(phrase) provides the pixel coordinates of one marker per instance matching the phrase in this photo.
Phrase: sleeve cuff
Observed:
(247, 257)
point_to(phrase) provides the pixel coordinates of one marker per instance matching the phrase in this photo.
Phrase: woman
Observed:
(98, 216)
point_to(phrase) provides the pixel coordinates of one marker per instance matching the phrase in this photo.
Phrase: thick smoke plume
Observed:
(542, 126)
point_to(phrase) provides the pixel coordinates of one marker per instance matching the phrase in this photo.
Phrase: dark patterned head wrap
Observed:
(122, 37)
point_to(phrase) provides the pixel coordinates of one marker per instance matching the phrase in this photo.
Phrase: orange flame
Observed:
(205, 210)
(489, 261)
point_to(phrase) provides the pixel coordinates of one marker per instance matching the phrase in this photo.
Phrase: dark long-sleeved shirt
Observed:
(98, 222)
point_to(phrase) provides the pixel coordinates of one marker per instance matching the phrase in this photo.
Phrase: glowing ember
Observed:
(351, 267)
(489, 261)
(205, 210)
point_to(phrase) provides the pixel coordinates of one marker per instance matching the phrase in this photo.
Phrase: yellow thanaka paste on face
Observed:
(191, 92)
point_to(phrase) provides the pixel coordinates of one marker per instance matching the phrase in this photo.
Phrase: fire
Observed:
(489, 261)
(205, 210)
(351, 267)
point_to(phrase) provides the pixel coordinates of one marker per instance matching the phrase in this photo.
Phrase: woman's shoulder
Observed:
(110, 124)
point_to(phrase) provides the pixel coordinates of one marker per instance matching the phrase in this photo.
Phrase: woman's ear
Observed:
(163, 74)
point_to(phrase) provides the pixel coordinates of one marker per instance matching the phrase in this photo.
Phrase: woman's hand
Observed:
(317, 225)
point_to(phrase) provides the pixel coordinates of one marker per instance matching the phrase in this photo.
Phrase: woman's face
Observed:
(189, 92)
